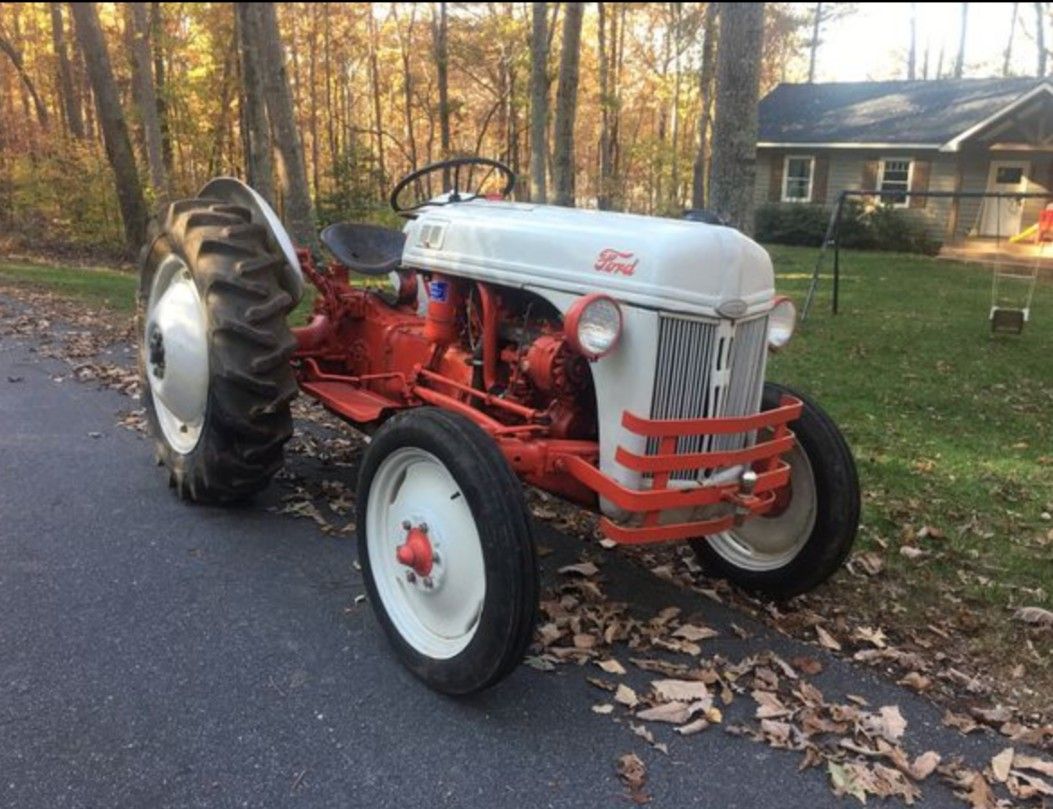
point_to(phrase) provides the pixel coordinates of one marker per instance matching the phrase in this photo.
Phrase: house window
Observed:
(895, 180)
(797, 179)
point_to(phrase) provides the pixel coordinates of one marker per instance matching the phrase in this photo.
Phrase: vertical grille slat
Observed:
(691, 384)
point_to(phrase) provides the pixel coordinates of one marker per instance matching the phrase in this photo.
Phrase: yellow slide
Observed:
(1026, 235)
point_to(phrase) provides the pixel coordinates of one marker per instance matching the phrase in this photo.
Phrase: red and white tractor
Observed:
(615, 360)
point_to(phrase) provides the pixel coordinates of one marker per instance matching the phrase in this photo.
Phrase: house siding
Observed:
(847, 168)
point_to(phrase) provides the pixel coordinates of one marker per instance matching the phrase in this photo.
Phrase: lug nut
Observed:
(411, 577)
(435, 560)
(406, 525)
(428, 583)
(424, 528)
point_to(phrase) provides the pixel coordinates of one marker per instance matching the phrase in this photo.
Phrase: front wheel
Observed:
(809, 533)
(446, 550)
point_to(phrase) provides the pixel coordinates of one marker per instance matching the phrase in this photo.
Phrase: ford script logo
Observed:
(616, 262)
(732, 309)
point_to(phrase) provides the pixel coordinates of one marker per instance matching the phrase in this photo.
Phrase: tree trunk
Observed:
(603, 200)
(111, 118)
(292, 174)
(257, 135)
(567, 106)
(442, 58)
(814, 45)
(374, 73)
(912, 54)
(70, 100)
(733, 169)
(405, 44)
(705, 94)
(1040, 37)
(539, 102)
(157, 41)
(146, 97)
(959, 62)
(27, 83)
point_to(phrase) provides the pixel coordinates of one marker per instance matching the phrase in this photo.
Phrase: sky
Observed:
(872, 43)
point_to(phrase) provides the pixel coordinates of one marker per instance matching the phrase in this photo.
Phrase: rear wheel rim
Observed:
(437, 618)
(175, 342)
(762, 544)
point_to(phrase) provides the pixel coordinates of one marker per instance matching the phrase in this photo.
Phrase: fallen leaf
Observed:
(827, 640)
(626, 696)
(917, 681)
(634, 775)
(1023, 762)
(671, 690)
(603, 708)
(1036, 616)
(582, 569)
(845, 782)
(694, 633)
(769, 706)
(888, 723)
(1002, 764)
(962, 722)
(807, 665)
(691, 728)
(870, 562)
(611, 666)
(540, 663)
(923, 766)
(676, 713)
(911, 552)
(980, 795)
(584, 641)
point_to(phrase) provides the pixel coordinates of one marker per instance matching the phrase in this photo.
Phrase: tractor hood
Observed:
(665, 264)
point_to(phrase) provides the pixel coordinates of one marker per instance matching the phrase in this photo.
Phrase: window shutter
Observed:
(870, 175)
(820, 172)
(919, 181)
(775, 181)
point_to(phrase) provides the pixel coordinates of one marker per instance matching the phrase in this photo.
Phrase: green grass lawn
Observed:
(952, 429)
(109, 289)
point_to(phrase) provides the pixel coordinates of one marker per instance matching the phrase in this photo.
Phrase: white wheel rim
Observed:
(768, 543)
(440, 620)
(175, 343)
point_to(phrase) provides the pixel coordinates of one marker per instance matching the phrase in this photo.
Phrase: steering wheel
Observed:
(454, 169)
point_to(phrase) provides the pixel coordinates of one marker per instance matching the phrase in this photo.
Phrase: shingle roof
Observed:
(917, 112)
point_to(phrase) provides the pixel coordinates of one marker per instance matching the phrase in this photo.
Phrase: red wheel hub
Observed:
(416, 552)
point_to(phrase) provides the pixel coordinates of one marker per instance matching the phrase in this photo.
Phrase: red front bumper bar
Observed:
(764, 458)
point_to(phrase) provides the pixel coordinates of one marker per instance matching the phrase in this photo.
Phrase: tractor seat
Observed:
(366, 249)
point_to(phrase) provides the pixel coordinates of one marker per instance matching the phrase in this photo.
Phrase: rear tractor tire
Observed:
(446, 549)
(215, 349)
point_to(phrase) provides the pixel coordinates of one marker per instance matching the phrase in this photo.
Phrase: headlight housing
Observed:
(593, 325)
(782, 320)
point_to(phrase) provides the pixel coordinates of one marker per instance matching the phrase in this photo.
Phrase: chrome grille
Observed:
(708, 369)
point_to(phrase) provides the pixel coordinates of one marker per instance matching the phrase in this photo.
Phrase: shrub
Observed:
(867, 226)
(792, 223)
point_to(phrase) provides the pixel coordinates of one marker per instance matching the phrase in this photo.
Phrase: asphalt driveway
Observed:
(155, 654)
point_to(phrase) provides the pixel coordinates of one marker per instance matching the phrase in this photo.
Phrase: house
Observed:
(899, 137)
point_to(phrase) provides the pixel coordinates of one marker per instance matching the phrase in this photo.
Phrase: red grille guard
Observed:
(772, 474)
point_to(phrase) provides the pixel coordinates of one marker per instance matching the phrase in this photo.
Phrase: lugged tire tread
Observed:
(248, 420)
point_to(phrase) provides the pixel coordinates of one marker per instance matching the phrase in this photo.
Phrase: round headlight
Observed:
(593, 325)
(782, 319)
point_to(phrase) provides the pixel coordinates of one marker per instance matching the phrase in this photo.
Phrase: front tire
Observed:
(809, 537)
(462, 613)
(214, 350)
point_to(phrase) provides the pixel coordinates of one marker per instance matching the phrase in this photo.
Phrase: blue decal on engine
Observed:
(439, 291)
